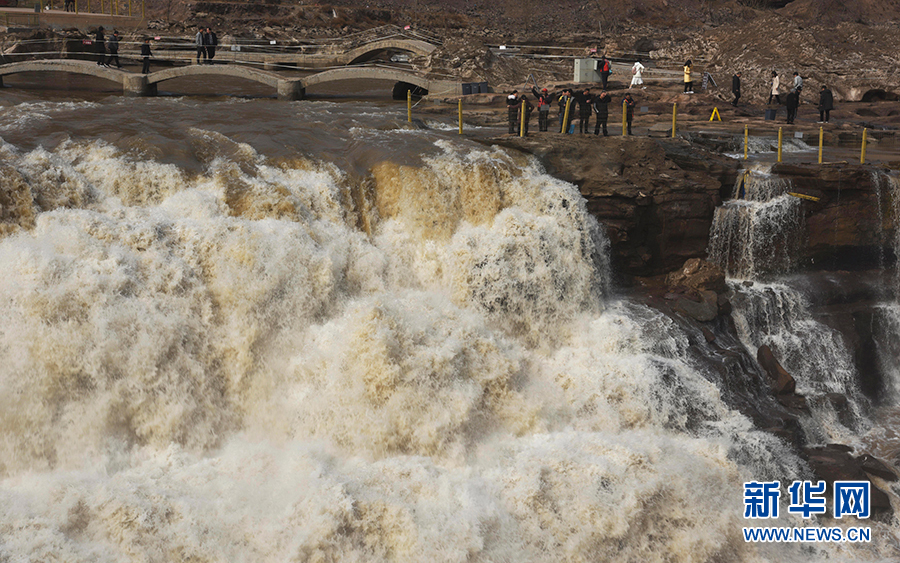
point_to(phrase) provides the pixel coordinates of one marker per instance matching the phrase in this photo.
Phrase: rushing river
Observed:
(239, 329)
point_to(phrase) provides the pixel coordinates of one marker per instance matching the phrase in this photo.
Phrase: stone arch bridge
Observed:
(134, 84)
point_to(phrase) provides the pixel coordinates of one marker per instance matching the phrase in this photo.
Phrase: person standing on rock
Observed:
(564, 100)
(211, 40)
(200, 42)
(585, 106)
(100, 46)
(145, 55)
(792, 103)
(605, 70)
(688, 83)
(512, 111)
(736, 87)
(543, 101)
(826, 104)
(637, 73)
(601, 107)
(774, 93)
(629, 110)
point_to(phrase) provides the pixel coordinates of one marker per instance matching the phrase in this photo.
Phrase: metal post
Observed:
(522, 120)
(674, 118)
(862, 155)
(746, 140)
(143, 9)
(821, 135)
(624, 109)
(130, 2)
(566, 117)
(779, 144)
(76, 7)
(409, 106)
(117, 8)
(460, 116)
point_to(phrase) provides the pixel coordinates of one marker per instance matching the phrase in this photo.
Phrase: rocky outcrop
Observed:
(782, 382)
(656, 197)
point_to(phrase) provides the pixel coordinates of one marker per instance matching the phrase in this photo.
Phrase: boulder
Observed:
(699, 274)
(782, 381)
(705, 310)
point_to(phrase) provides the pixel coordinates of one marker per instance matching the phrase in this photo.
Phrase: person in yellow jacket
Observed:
(688, 83)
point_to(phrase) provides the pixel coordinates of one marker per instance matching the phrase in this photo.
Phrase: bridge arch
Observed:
(70, 66)
(367, 73)
(369, 50)
(268, 78)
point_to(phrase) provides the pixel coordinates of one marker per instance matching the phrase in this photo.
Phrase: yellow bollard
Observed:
(566, 117)
(821, 136)
(409, 106)
(674, 118)
(460, 116)
(143, 9)
(624, 123)
(117, 8)
(76, 7)
(522, 120)
(746, 140)
(779, 144)
(862, 155)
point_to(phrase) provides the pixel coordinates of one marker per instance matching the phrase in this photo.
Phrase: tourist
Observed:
(798, 84)
(210, 40)
(637, 74)
(112, 45)
(736, 87)
(512, 111)
(629, 110)
(826, 104)
(70, 5)
(100, 46)
(775, 84)
(688, 83)
(145, 53)
(601, 107)
(200, 41)
(585, 106)
(544, 101)
(564, 100)
(605, 70)
(792, 103)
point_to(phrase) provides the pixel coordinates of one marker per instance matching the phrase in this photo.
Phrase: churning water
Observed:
(257, 331)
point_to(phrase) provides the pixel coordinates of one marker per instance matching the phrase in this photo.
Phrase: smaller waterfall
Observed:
(757, 232)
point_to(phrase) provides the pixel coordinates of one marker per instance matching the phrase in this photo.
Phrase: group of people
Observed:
(519, 110)
(206, 41)
(107, 49)
(792, 102)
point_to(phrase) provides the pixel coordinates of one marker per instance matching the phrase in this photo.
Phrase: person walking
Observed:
(688, 83)
(601, 107)
(200, 42)
(736, 87)
(70, 5)
(512, 111)
(211, 40)
(637, 74)
(543, 103)
(564, 99)
(774, 93)
(605, 70)
(798, 84)
(629, 111)
(100, 46)
(792, 103)
(145, 55)
(585, 107)
(826, 104)
(112, 45)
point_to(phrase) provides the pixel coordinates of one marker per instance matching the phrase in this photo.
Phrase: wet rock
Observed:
(874, 466)
(705, 310)
(831, 463)
(699, 274)
(708, 335)
(782, 381)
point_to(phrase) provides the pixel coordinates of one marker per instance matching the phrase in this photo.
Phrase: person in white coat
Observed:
(637, 74)
(775, 85)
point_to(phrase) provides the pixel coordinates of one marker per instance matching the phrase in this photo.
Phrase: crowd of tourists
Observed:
(107, 48)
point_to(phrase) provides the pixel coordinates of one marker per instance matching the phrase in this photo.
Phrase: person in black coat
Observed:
(145, 54)
(100, 46)
(601, 107)
(585, 106)
(512, 111)
(826, 104)
(792, 103)
(629, 111)
(112, 45)
(211, 40)
(736, 88)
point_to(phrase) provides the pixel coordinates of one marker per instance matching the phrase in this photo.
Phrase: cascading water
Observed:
(216, 346)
